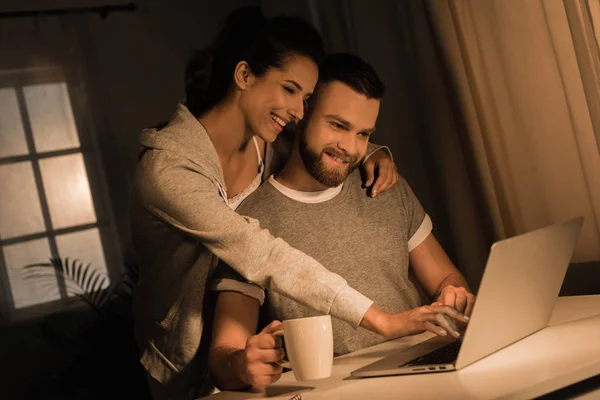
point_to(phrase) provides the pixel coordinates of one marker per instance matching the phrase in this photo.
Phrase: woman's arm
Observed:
(175, 191)
(380, 172)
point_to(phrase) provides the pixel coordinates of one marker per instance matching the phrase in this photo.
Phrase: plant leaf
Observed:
(87, 283)
(132, 271)
(93, 286)
(38, 265)
(68, 267)
(104, 295)
(78, 275)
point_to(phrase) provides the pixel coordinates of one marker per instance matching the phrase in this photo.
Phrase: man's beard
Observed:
(316, 167)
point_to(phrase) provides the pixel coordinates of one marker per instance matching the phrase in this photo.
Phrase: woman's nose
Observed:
(297, 112)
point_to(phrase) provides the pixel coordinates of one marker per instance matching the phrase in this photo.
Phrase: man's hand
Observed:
(458, 298)
(432, 318)
(380, 172)
(258, 362)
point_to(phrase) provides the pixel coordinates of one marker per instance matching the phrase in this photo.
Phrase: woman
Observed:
(192, 174)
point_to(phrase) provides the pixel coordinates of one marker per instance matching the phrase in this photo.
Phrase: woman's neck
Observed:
(227, 130)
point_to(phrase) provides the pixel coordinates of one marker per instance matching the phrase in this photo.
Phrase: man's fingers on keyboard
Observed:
(450, 299)
(461, 302)
(470, 304)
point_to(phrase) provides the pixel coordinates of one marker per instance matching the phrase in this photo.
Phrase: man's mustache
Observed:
(342, 156)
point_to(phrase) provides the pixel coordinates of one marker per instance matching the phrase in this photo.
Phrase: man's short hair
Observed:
(352, 71)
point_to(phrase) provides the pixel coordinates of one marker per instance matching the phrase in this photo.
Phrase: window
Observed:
(50, 202)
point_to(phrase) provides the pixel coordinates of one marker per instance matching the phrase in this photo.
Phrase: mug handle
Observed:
(285, 363)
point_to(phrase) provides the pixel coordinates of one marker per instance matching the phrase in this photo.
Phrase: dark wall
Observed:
(129, 66)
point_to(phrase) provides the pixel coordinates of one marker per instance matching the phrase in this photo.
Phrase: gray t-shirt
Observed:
(364, 240)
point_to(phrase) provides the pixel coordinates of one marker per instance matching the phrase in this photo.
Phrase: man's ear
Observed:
(242, 75)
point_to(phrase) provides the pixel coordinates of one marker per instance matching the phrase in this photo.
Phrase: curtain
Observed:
(527, 76)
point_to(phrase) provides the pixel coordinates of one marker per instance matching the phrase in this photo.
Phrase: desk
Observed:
(565, 352)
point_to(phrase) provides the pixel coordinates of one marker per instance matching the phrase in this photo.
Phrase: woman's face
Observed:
(271, 101)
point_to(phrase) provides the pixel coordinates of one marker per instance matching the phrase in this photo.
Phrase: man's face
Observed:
(336, 132)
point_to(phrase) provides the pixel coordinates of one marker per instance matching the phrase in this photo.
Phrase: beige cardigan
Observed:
(180, 223)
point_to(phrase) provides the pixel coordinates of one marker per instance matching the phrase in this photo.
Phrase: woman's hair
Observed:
(264, 43)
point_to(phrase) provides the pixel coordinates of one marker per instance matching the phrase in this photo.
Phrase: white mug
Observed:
(309, 346)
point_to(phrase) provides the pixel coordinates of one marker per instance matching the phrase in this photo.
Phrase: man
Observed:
(316, 204)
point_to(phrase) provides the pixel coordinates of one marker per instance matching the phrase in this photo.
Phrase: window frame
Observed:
(90, 151)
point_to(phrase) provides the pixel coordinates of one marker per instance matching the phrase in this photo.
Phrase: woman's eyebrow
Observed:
(295, 84)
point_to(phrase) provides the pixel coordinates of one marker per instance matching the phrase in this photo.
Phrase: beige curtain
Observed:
(527, 73)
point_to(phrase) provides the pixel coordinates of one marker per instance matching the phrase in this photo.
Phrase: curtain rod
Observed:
(102, 10)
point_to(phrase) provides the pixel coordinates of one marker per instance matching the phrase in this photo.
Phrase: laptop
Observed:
(518, 292)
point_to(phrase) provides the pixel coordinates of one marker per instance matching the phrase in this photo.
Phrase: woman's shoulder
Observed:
(163, 169)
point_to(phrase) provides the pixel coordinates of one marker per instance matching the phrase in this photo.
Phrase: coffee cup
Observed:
(309, 346)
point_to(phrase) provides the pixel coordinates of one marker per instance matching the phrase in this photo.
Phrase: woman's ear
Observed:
(242, 75)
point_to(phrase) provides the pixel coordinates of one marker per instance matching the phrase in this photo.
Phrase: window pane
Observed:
(51, 117)
(84, 246)
(28, 290)
(20, 211)
(12, 136)
(67, 190)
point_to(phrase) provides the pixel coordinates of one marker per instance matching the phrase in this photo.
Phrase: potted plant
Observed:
(96, 340)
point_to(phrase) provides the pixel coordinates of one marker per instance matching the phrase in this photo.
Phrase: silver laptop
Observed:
(518, 291)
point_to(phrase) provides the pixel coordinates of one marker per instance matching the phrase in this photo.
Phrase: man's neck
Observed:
(225, 126)
(294, 174)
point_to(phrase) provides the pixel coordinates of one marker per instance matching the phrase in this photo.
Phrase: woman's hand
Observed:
(435, 318)
(380, 172)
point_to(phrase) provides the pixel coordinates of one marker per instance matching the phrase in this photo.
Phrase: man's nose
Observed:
(347, 143)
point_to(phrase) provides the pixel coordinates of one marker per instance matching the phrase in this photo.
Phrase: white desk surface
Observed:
(565, 352)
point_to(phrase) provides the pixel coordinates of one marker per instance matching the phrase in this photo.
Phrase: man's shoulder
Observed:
(355, 179)
(393, 197)
(259, 200)
(355, 183)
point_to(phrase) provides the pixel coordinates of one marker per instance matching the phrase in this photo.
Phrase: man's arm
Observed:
(239, 358)
(439, 277)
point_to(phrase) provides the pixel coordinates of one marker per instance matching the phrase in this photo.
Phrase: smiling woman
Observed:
(277, 97)
(192, 174)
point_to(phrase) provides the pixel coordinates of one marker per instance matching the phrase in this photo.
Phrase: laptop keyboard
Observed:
(443, 355)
